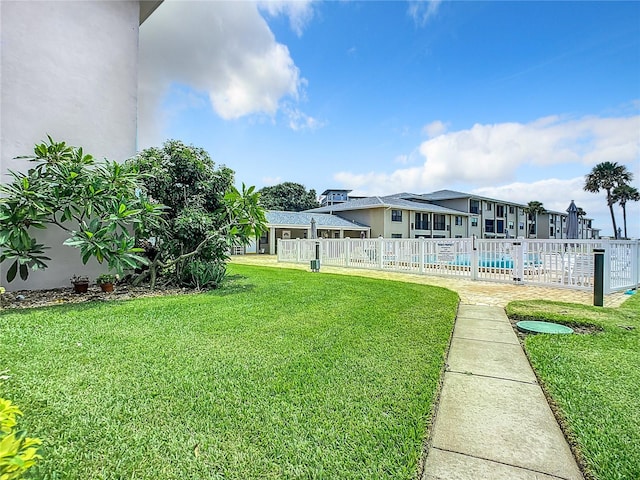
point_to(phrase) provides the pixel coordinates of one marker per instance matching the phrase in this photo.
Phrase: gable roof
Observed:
(303, 219)
(389, 201)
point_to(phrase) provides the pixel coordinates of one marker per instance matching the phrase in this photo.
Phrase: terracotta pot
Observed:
(106, 287)
(81, 287)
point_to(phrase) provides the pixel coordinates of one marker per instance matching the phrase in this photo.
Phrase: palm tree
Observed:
(607, 176)
(623, 194)
(533, 209)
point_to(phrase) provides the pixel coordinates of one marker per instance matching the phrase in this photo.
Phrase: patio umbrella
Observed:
(572, 221)
(314, 228)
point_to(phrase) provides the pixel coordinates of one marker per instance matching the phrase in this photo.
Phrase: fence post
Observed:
(518, 263)
(381, 251)
(422, 253)
(606, 284)
(598, 273)
(297, 250)
(635, 264)
(474, 259)
(347, 251)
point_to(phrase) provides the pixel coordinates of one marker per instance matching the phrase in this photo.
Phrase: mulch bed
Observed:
(61, 296)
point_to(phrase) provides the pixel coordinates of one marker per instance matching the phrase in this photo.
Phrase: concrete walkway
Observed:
(493, 421)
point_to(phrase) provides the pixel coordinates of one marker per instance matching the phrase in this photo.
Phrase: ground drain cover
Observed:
(542, 327)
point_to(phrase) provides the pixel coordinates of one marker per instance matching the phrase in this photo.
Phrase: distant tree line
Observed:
(288, 197)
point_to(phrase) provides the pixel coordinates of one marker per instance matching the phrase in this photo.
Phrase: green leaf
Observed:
(24, 272)
(11, 273)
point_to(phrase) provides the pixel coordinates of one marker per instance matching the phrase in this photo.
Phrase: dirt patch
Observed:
(61, 296)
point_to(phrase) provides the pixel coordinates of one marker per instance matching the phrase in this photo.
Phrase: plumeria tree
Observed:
(99, 205)
(206, 215)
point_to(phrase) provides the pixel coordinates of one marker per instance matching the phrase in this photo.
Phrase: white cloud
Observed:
(435, 128)
(269, 181)
(299, 120)
(423, 10)
(488, 155)
(300, 12)
(556, 194)
(222, 49)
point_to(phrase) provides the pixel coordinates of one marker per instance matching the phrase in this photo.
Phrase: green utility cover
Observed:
(542, 327)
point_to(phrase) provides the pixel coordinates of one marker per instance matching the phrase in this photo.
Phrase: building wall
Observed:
(374, 217)
(395, 228)
(68, 69)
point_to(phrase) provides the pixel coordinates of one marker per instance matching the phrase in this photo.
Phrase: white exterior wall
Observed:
(68, 69)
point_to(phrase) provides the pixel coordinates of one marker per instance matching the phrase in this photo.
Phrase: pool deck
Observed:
(492, 421)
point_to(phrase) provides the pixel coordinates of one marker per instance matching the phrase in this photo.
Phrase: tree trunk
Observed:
(613, 217)
(624, 219)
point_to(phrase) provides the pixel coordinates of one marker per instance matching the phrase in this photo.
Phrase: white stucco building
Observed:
(68, 69)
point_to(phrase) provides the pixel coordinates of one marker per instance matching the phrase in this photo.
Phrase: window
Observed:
(499, 226)
(474, 206)
(458, 236)
(488, 226)
(458, 220)
(512, 210)
(488, 207)
(521, 226)
(510, 225)
(438, 222)
(396, 216)
(474, 221)
(422, 221)
(551, 219)
(396, 235)
(500, 211)
(551, 231)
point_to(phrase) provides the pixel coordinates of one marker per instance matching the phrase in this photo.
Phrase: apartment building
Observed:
(449, 214)
(397, 216)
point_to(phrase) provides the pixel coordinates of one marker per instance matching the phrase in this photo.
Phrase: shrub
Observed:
(18, 453)
(208, 275)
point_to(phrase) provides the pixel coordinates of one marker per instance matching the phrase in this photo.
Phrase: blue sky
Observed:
(512, 100)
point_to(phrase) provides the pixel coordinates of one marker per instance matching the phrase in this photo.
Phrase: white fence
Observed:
(565, 263)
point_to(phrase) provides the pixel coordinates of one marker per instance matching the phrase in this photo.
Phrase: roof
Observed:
(441, 195)
(390, 201)
(335, 190)
(147, 7)
(299, 219)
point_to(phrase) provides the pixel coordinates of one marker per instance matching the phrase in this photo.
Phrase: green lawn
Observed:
(594, 380)
(281, 374)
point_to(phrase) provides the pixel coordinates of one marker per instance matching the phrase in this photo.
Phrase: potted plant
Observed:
(106, 281)
(80, 283)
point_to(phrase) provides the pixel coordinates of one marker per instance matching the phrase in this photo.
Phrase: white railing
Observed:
(564, 263)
